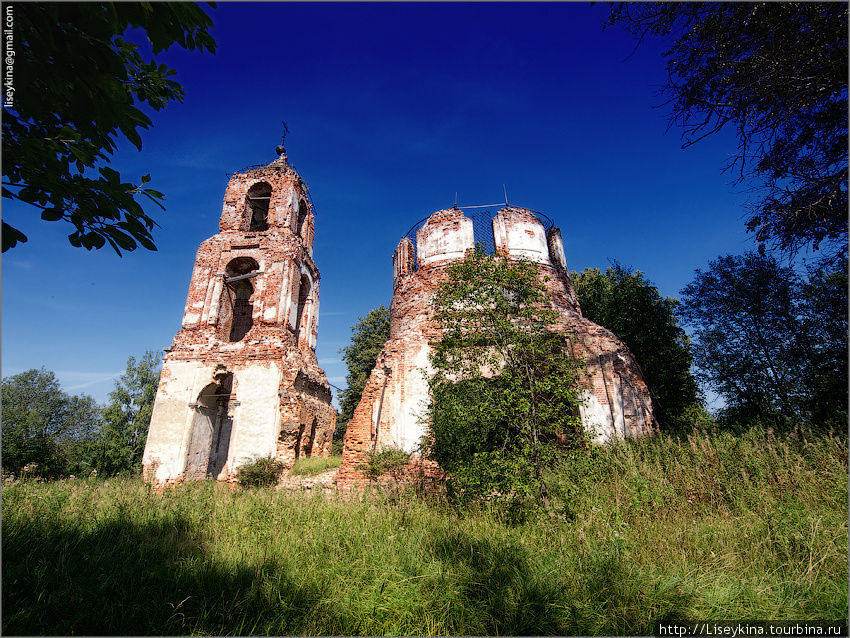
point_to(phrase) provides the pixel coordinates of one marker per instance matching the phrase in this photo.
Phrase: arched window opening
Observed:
(241, 293)
(303, 305)
(236, 307)
(257, 206)
(209, 442)
(302, 217)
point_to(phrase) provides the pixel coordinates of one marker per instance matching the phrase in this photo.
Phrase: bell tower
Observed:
(241, 380)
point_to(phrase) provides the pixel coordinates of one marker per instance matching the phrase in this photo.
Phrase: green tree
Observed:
(127, 417)
(771, 343)
(824, 313)
(505, 391)
(44, 426)
(77, 442)
(629, 305)
(776, 72)
(79, 85)
(370, 333)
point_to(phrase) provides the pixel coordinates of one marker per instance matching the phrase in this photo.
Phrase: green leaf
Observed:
(122, 239)
(62, 129)
(51, 214)
(132, 135)
(147, 243)
(110, 174)
(11, 236)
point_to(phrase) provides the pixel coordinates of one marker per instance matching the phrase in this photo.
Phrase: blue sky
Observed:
(392, 109)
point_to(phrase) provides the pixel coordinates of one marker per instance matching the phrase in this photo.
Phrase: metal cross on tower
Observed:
(279, 148)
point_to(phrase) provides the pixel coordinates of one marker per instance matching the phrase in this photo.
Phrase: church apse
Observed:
(392, 412)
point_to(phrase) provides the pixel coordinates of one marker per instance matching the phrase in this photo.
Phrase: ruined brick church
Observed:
(391, 411)
(241, 380)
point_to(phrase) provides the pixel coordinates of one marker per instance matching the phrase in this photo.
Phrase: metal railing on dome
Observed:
(482, 225)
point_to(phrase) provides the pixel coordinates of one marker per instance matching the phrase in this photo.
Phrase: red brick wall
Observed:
(412, 325)
(281, 255)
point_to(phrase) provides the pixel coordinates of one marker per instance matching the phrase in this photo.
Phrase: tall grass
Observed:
(310, 465)
(749, 527)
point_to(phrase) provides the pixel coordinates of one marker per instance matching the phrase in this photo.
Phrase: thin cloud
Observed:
(86, 379)
(23, 264)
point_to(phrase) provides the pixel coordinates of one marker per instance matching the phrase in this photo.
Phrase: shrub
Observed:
(387, 461)
(495, 435)
(262, 472)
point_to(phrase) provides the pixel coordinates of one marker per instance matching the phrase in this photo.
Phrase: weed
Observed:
(734, 527)
(386, 461)
(311, 465)
(262, 472)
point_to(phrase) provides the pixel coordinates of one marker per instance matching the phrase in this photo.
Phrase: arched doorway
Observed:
(209, 441)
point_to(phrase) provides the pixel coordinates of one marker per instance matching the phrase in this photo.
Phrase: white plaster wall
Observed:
(408, 401)
(618, 404)
(257, 417)
(208, 299)
(215, 300)
(294, 288)
(165, 447)
(441, 241)
(285, 297)
(556, 249)
(521, 238)
(293, 210)
(596, 418)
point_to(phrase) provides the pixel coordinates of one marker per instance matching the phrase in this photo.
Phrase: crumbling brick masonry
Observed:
(391, 412)
(241, 380)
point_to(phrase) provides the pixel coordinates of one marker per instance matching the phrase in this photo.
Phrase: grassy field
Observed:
(721, 527)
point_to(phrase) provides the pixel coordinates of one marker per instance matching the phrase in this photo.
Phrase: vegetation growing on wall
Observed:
(262, 472)
(505, 392)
